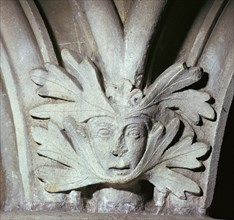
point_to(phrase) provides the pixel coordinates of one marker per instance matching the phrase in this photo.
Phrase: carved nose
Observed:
(119, 150)
(115, 152)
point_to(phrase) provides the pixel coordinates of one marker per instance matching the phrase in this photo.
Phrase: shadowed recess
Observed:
(168, 39)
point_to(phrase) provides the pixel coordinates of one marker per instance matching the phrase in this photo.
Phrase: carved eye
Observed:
(134, 133)
(104, 132)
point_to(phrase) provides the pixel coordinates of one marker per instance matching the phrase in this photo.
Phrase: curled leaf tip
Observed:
(36, 113)
(51, 187)
(68, 54)
(39, 76)
(159, 127)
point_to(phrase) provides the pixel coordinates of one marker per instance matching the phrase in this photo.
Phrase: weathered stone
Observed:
(93, 128)
(84, 216)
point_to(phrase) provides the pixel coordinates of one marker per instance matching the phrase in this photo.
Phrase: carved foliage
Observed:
(120, 116)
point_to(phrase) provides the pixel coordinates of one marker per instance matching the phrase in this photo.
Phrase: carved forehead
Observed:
(118, 121)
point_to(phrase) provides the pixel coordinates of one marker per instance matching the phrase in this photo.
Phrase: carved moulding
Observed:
(100, 130)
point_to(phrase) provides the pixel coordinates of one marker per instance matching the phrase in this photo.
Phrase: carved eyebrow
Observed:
(139, 131)
(134, 126)
(99, 125)
(104, 124)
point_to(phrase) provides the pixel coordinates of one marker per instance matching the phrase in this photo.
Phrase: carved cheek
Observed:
(101, 146)
(135, 146)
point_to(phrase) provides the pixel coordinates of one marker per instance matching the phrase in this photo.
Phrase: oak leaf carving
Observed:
(72, 172)
(78, 95)
(166, 92)
(76, 89)
(185, 155)
(76, 169)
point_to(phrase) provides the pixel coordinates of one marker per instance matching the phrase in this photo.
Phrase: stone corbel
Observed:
(93, 131)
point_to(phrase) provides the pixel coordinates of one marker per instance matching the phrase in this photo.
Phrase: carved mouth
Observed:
(120, 170)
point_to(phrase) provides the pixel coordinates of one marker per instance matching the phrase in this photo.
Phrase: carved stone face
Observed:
(119, 144)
